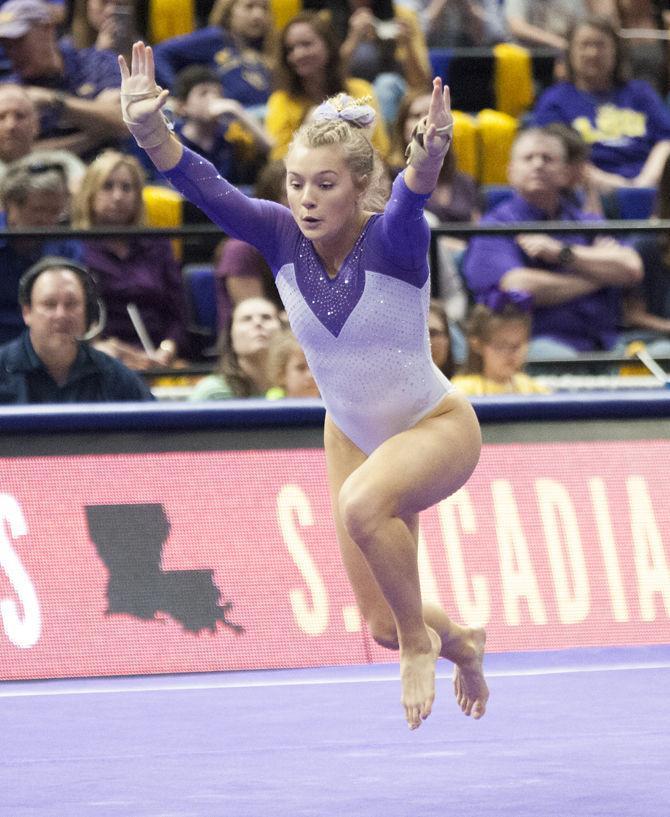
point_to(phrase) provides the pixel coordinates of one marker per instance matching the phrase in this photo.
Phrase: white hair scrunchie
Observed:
(347, 109)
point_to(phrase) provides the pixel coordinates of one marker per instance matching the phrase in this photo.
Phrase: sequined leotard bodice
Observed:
(364, 332)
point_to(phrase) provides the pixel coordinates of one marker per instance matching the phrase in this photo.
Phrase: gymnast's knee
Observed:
(359, 512)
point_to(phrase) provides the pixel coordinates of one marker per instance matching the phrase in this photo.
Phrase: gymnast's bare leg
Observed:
(375, 502)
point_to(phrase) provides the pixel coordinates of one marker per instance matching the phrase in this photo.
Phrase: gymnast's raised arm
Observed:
(252, 220)
(141, 103)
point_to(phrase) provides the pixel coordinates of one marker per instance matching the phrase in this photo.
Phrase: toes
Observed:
(427, 708)
(413, 717)
(478, 710)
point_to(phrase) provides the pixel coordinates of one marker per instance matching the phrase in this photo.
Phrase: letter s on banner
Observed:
(22, 632)
(312, 619)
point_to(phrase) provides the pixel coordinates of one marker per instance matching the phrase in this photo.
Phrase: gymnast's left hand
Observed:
(439, 122)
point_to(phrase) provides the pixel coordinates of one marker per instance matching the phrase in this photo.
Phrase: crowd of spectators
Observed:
(241, 81)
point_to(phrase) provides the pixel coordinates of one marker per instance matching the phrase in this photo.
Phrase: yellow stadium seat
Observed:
(466, 145)
(496, 135)
(283, 10)
(513, 79)
(164, 208)
(170, 18)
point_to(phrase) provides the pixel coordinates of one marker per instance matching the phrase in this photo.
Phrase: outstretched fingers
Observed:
(149, 66)
(439, 120)
(141, 62)
(439, 111)
(123, 67)
(446, 99)
(135, 58)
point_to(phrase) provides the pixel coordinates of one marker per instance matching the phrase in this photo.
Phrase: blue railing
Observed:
(258, 413)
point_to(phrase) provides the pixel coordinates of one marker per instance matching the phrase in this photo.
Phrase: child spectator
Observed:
(498, 332)
(288, 369)
(243, 364)
(219, 129)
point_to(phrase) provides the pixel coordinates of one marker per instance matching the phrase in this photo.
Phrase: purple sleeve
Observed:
(488, 258)
(401, 237)
(264, 224)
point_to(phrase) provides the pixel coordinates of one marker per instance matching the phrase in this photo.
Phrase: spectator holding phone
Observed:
(106, 25)
(385, 45)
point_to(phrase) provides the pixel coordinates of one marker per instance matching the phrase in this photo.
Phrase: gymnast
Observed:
(354, 278)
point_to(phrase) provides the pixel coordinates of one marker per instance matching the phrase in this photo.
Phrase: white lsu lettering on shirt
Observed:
(22, 630)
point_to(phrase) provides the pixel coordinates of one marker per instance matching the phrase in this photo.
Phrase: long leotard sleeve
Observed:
(401, 238)
(266, 225)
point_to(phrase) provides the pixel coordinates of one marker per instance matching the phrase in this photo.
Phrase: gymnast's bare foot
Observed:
(470, 688)
(417, 676)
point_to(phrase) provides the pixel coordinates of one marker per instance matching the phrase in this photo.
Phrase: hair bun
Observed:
(355, 112)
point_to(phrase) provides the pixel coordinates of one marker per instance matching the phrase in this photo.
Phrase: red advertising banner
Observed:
(180, 562)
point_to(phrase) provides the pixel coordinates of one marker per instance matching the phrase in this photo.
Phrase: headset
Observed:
(96, 313)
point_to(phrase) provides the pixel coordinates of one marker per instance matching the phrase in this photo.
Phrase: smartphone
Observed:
(386, 29)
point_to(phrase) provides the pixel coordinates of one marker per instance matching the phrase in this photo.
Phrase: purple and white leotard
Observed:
(364, 332)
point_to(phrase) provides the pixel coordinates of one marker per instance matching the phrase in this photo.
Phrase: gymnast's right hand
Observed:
(142, 99)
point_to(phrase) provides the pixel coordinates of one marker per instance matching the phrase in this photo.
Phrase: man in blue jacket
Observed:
(51, 362)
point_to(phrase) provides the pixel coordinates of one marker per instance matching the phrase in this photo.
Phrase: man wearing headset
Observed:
(51, 362)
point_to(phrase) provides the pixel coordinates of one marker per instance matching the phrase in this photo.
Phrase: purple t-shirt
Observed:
(243, 72)
(241, 260)
(620, 126)
(86, 72)
(149, 277)
(587, 323)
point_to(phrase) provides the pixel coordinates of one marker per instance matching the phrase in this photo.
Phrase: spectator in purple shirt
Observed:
(624, 121)
(135, 270)
(76, 91)
(235, 44)
(575, 282)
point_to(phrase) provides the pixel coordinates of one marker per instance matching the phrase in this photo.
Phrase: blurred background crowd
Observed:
(561, 115)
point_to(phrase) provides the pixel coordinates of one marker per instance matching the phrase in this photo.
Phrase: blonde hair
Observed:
(96, 175)
(352, 134)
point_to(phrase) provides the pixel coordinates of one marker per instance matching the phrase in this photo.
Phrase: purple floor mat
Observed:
(584, 732)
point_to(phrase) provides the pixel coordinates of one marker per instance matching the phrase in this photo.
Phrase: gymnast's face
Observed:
(322, 193)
